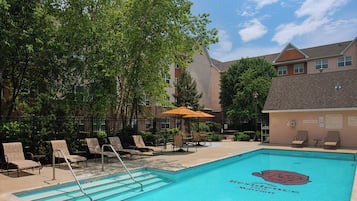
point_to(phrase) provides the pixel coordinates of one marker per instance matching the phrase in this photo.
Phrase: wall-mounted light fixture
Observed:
(338, 86)
(292, 123)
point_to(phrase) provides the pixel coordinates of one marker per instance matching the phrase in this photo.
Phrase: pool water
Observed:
(265, 174)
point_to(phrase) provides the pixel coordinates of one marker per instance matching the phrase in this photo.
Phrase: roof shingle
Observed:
(313, 92)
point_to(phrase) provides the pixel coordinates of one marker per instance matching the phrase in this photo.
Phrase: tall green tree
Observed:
(187, 93)
(244, 88)
(27, 41)
(148, 37)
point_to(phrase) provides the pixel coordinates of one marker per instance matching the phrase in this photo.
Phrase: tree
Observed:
(148, 37)
(88, 55)
(244, 88)
(26, 44)
(187, 93)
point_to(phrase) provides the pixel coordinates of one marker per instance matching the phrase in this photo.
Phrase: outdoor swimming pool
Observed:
(265, 174)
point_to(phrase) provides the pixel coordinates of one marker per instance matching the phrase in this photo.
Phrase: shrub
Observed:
(251, 134)
(215, 137)
(241, 136)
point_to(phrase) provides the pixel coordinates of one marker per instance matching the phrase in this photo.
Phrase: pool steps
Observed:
(121, 186)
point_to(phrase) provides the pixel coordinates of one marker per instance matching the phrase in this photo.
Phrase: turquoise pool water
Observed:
(266, 174)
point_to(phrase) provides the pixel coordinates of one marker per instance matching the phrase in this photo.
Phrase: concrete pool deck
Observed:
(167, 160)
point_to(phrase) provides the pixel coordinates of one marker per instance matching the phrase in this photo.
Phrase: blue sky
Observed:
(250, 28)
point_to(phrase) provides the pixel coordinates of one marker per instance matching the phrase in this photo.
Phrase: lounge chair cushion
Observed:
(298, 142)
(330, 143)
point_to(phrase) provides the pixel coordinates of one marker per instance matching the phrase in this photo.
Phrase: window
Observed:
(147, 100)
(321, 64)
(344, 61)
(147, 123)
(165, 123)
(167, 79)
(298, 68)
(282, 70)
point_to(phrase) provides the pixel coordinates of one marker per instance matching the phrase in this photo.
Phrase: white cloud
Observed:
(331, 33)
(252, 30)
(319, 8)
(319, 14)
(224, 44)
(243, 52)
(263, 3)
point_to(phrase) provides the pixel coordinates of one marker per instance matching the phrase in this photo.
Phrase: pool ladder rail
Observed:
(102, 153)
(122, 162)
(70, 168)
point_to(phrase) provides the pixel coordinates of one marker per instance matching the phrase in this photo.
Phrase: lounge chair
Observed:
(62, 145)
(332, 140)
(140, 145)
(14, 155)
(95, 149)
(116, 143)
(178, 143)
(300, 139)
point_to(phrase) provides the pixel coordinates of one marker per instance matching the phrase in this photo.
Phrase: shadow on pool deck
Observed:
(167, 160)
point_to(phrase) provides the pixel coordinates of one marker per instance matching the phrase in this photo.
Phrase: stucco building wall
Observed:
(317, 123)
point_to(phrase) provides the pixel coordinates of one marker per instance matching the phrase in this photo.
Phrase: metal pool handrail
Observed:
(70, 168)
(122, 162)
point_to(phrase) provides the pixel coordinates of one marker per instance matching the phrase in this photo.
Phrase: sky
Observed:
(248, 28)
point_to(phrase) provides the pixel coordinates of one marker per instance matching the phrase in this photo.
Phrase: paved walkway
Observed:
(167, 160)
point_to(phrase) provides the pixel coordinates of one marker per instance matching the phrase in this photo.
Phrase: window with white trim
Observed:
(167, 79)
(165, 123)
(321, 64)
(345, 61)
(147, 123)
(282, 70)
(299, 68)
(147, 100)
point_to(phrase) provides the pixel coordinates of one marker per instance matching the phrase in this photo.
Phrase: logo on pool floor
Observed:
(283, 177)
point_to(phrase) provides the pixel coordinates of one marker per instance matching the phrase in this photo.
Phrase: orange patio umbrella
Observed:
(179, 111)
(199, 114)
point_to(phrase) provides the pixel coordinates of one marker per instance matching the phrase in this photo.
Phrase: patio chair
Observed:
(116, 143)
(300, 139)
(95, 149)
(62, 145)
(140, 145)
(178, 142)
(332, 140)
(14, 156)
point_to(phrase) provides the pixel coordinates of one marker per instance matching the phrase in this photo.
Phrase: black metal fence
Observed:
(35, 132)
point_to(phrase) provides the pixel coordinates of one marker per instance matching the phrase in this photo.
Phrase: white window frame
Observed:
(321, 64)
(147, 100)
(147, 123)
(299, 68)
(344, 61)
(282, 70)
(167, 79)
(165, 123)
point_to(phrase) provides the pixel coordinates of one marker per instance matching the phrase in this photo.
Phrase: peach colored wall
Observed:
(215, 89)
(316, 123)
(200, 72)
